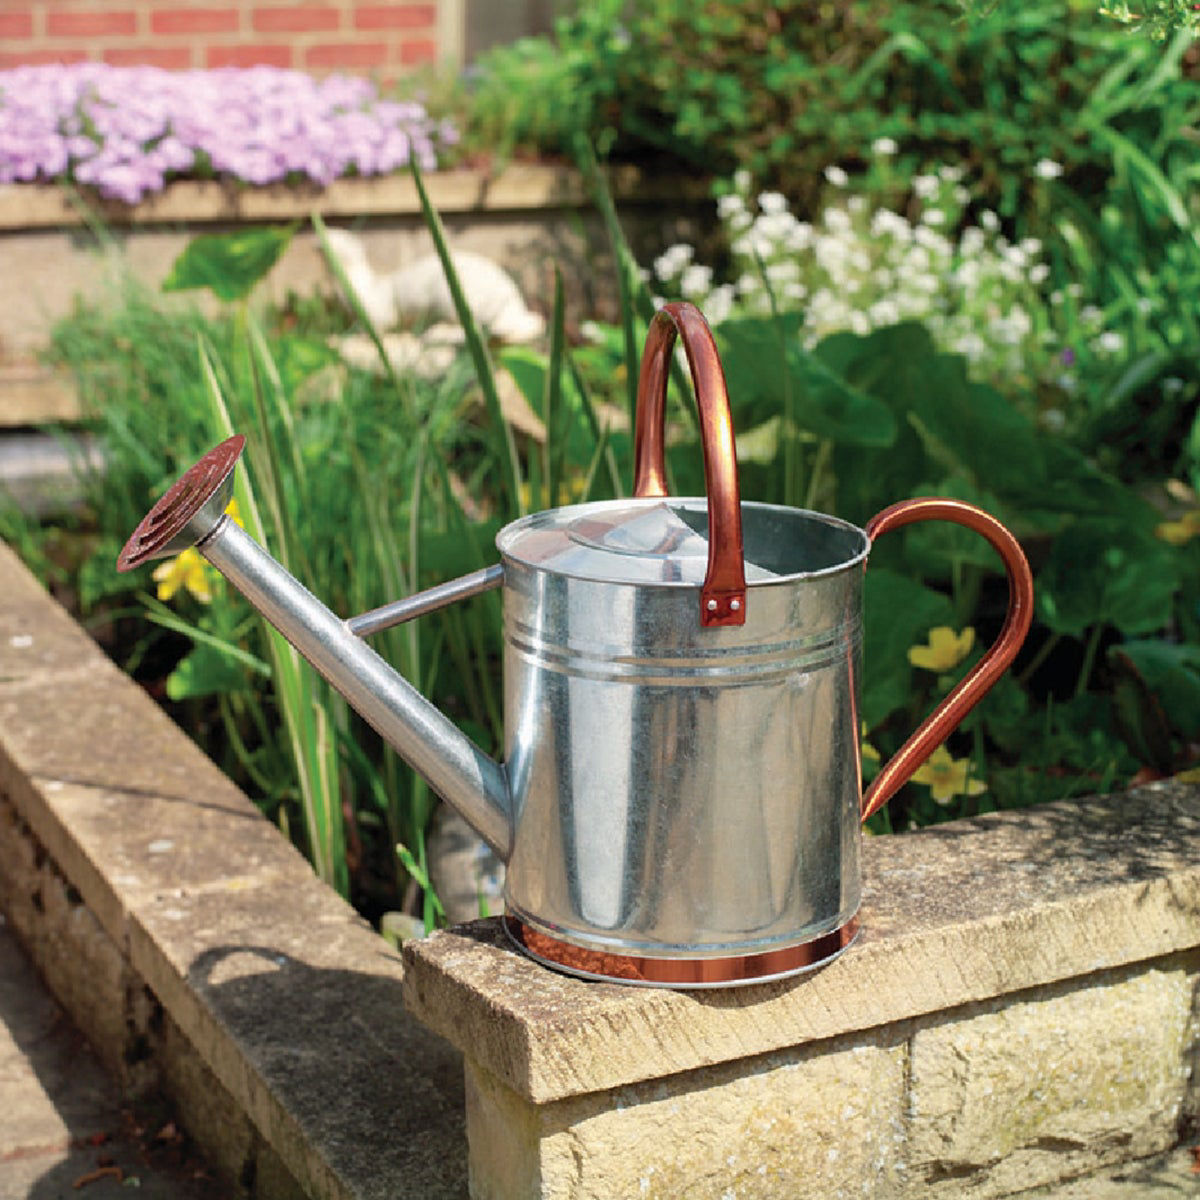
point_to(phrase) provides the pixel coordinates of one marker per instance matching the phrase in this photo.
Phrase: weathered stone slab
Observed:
(953, 915)
(1053, 1084)
(794, 1124)
(290, 1001)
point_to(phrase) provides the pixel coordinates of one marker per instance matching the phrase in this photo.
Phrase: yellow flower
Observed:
(186, 570)
(189, 570)
(947, 777)
(1183, 530)
(868, 751)
(946, 649)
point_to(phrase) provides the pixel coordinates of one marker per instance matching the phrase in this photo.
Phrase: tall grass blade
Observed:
(503, 444)
(294, 690)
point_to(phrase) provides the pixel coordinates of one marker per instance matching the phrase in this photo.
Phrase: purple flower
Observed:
(126, 131)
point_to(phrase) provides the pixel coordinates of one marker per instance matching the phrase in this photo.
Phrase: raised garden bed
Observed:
(1019, 1011)
(525, 217)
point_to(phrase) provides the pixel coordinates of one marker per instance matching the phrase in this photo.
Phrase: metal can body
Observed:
(679, 791)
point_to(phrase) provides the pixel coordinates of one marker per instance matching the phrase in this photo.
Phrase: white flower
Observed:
(886, 223)
(729, 206)
(961, 195)
(884, 312)
(971, 242)
(837, 220)
(772, 203)
(719, 304)
(1047, 168)
(934, 216)
(989, 220)
(781, 272)
(672, 261)
(884, 146)
(859, 323)
(1039, 273)
(741, 180)
(695, 282)
(1110, 342)
(799, 237)
(926, 186)
(836, 176)
(1031, 246)
(950, 174)
(971, 345)
(857, 204)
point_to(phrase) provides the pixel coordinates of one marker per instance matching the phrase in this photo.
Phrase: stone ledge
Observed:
(284, 996)
(956, 914)
(516, 188)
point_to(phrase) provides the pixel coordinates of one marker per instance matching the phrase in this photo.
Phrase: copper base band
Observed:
(681, 972)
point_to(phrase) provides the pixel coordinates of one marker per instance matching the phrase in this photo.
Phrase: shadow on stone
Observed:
(308, 1030)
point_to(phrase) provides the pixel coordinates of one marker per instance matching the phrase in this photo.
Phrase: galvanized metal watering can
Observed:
(680, 801)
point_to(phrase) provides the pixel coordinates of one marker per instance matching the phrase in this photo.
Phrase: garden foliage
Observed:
(1038, 357)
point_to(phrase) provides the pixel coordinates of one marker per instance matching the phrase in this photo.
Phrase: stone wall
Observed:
(1020, 1009)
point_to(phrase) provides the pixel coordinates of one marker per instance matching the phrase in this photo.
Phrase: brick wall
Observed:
(367, 36)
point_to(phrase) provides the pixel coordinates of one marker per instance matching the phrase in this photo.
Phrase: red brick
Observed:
(35, 58)
(170, 58)
(300, 18)
(249, 56)
(16, 24)
(194, 20)
(418, 50)
(353, 55)
(395, 16)
(90, 24)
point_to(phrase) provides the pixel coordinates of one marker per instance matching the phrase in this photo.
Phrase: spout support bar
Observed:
(455, 768)
(430, 600)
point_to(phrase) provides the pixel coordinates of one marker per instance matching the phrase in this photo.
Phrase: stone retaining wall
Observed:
(1020, 1009)
(526, 218)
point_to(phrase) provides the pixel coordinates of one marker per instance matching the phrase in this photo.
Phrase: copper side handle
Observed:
(723, 596)
(934, 730)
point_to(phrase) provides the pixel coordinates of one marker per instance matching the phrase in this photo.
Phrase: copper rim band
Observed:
(682, 972)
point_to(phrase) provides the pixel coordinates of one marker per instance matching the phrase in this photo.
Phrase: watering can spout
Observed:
(193, 513)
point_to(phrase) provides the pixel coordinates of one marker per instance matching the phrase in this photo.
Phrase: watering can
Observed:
(681, 801)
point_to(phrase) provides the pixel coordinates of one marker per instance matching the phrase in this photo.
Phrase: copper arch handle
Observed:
(723, 594)
(936, 727)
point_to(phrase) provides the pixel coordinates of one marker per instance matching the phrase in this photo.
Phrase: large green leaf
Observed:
(228, 264)
(1172, 672)
(1105, 571)
(756, 352)
(935, 548)
(205, 671)
(898, 612)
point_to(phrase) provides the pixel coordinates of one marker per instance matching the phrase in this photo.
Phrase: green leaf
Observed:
(228, 264)
(1172, 672)
(206, 671)
(1105, 571)
(826, 404)
(898, 612)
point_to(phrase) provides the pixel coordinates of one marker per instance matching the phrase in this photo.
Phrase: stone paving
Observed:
(64, 1130)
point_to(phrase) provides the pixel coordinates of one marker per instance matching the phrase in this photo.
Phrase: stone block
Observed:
(1052, 1084)
(822, 1123)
